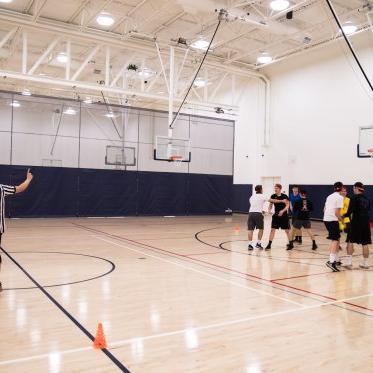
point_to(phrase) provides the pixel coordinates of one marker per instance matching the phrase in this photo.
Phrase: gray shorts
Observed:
(255, 221)
(299, 224)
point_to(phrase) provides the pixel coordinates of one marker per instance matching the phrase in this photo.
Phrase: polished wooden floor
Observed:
(177, 295)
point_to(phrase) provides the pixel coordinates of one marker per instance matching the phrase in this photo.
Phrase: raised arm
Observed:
(23, 186)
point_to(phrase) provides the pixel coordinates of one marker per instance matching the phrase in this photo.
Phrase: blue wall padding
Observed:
(57, 191)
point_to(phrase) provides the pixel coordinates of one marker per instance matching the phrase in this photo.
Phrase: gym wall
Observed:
(67, 153)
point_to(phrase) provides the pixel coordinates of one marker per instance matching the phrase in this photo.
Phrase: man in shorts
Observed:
(6, 190)
(301, 217)
(295, 197)
(332, 217)
(280, 218)
(359, 229)
(256, 217)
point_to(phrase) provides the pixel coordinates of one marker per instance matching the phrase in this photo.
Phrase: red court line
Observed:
(309, 275)
(216, 252)
(320, 295)
(218, 266)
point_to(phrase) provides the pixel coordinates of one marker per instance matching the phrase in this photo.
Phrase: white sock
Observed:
(332, 258)
(259, 242)
(365, 261)
(349, 259)
(252, 243)
(337, 257)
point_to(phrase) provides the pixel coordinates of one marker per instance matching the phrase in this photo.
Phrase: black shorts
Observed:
(280, 222)
(299, 224)
(333, 230)
(255, 220)
(359, 232)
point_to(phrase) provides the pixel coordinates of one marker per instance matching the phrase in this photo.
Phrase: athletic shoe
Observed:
(300, 240)
(290, 246)
(268, 247)
(332, 266)
(338, 263)
(364, 266)
(1, 287)
(259, 246)
(250, 247)
(347, 265)
(314, 246)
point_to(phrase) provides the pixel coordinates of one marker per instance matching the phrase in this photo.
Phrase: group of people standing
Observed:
(341, 214)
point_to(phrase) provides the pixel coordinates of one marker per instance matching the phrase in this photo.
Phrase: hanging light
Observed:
(201, 43)
(349, 28)
(26, 92)
(145, 73)
(264, 58)
(70, 111)
(88, 100)
(105, 19)
(110, 114)
(200, 82)
(279, 5)
(15, 103)
(62, 57)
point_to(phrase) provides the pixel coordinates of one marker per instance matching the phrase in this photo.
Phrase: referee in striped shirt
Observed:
(7, 190)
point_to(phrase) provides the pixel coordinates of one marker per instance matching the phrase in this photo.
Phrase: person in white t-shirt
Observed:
(332, 217)
(256, 217)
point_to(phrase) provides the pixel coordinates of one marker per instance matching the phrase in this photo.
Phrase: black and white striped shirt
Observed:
(5, 190)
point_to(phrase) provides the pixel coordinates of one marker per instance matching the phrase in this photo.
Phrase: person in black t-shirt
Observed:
(280, 218)
(301, 217)
(359, 230)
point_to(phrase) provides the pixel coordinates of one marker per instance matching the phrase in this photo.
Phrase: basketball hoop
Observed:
(178, 159)
(370, 153)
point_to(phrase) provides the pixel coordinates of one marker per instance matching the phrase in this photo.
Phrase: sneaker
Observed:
(332, 266)
(347, 265)
(364, 266)
(259, 246)
(268, 247)
(250, 247)
(338, 263)
(300, 240)
(290, 246)
(1, 287)
(314, 246)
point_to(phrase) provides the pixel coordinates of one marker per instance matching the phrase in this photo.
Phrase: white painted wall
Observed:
(318, 101)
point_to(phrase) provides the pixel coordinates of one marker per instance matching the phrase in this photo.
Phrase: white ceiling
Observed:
(139, 22)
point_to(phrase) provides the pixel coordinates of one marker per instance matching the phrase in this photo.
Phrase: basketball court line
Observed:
(120, 343)
(200, 272)
(225, 268)
(115, 361)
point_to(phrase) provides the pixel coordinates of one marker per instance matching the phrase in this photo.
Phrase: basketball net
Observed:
(370, 152)
(177, 159)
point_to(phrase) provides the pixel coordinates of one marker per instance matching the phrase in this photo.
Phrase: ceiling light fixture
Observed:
(70, 111)
(349, 28)
(264, 58)
(26, 92)
(105, 19)
(146, 73)
(88, 100)
(279, 5)
(62, 57)
(201, 43)
(200, 82)
(15, 103)
(6, 1)
(110, 114)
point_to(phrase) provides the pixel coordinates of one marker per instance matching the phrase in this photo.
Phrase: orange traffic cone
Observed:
(237, 228)
(100, 341)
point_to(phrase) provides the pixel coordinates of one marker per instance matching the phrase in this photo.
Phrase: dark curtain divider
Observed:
(241, 196)
(91, 192)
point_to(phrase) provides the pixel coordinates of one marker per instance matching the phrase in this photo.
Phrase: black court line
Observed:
(66, 313)
(67, 283)
(196, 236)
(272, 285)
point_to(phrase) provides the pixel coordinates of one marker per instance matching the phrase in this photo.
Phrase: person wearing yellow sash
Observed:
(344, 223)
